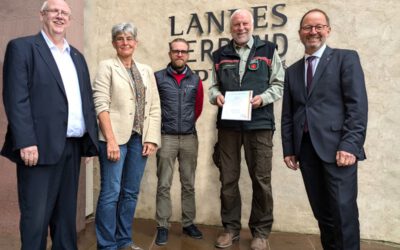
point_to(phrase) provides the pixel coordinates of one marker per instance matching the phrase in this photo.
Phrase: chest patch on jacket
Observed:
(253, 65)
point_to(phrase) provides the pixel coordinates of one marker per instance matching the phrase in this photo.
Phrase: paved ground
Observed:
(145, 232)
(144, 235)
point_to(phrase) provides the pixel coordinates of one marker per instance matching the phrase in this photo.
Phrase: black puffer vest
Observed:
(177, 101)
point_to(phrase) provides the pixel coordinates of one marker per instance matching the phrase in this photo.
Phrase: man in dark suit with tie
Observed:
(51, 124)
(324, 122)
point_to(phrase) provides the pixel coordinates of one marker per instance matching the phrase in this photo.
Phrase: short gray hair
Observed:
(44, 6)
(238, 11)
(123, 28)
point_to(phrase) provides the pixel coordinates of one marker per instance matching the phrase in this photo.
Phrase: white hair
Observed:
(238, 11)
(44, 6)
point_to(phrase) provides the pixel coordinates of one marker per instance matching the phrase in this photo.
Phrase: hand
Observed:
(220, 100)
(291, 162)
(149, 148)
(30, 155)
(345, 159)
(256, 101)
(113, 153)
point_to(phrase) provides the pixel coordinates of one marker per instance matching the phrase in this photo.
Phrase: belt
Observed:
(74, 139)
(191, 133)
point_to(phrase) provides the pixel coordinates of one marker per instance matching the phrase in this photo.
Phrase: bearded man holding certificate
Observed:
(246, 64)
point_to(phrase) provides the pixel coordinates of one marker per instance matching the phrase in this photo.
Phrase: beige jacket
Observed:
(114, 93)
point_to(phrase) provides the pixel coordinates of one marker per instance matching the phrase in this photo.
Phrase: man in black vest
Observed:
(246, 63)
(181, 96)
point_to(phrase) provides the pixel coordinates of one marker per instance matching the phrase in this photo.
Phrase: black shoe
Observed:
(192, 231)
(162, 236)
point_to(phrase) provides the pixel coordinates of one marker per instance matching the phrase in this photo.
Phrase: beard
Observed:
(178, 65)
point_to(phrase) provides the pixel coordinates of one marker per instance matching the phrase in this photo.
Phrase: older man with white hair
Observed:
(246, 63)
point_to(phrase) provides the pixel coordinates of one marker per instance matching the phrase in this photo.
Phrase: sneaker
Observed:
(258, 243)
(135, 247)
(131, 247)
(226, 239)
(162, 236)
(192, 231)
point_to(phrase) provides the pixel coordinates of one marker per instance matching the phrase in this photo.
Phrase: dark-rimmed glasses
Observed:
(177, 52)
(318, 28)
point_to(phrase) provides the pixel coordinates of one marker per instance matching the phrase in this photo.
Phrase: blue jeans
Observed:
(120, 185)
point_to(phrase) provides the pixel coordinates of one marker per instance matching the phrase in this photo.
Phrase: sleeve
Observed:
(155, 112)
(102, 88)
(355, 103)
(16, 96)
(214, 91)
(199, 100)
(275, 90)
(287, 120)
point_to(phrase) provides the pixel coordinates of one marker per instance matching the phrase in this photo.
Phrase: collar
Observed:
(317, 53)
(51, 45)
(248, 45)
(184, 71)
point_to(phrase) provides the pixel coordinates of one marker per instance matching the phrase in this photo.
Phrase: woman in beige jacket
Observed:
(128, 109)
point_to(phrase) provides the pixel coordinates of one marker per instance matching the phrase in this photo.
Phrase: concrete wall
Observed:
(368, 26)
(21, 18)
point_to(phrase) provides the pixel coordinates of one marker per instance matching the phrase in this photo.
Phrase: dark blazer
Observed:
(336, 107)
(36, 104)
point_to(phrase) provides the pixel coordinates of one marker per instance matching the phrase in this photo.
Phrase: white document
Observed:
(237, 105)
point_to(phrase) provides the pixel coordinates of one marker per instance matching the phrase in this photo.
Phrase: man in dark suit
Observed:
(48, 101)
(324, 122)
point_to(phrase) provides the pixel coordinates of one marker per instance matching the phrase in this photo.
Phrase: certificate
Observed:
(237, 105)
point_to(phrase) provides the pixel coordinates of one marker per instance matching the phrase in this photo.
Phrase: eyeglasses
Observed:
(176, 52)
(56, 12)
(318, 27)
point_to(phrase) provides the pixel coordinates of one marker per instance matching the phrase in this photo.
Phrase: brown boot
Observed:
(258, 243)
(226, 239)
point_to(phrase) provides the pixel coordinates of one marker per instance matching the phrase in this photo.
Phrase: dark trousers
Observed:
(257, 146)
(47, 198)
(332, 192)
